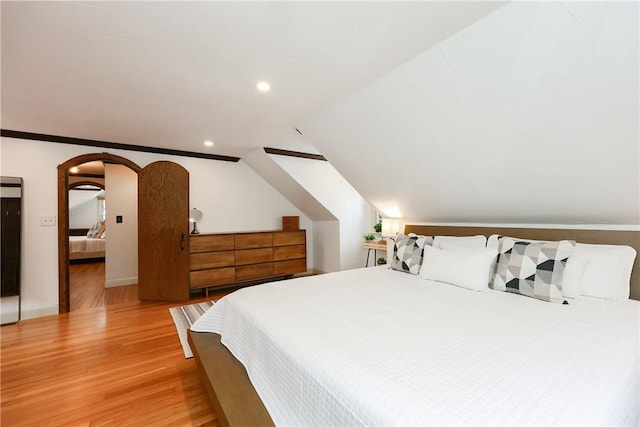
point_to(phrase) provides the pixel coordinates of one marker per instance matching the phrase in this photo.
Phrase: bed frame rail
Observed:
(235, 400)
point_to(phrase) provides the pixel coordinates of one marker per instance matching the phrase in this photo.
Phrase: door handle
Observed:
(182, 241)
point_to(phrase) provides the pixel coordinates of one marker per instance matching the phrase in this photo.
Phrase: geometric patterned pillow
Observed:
(92, 230)
(408, 252)
(533, 269)
(100, 226)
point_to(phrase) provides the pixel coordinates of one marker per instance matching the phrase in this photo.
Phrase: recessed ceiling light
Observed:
(208, 143)
(263, 86)
(74, 169)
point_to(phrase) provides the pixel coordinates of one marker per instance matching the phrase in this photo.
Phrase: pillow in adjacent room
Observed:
(408, 252)
(534, 269)
(462, 266)
(92, 230)
(443, 242)
(99, 230)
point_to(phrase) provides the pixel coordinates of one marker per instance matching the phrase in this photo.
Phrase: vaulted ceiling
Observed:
(529, 115)
(174, 74)
(434, 111)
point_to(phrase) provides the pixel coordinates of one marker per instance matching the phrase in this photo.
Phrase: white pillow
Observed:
(607, 272)
(459, 265)
(573, 273)
(391, 241)
(444, 242)
(492, 241)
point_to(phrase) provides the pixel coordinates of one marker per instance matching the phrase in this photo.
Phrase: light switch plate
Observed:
(47, 220)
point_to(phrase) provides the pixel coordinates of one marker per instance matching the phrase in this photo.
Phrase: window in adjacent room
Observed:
(102, 211)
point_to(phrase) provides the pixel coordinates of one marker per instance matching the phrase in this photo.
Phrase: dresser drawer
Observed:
(204, 260)
(254, 240)
(283, 238)
(242, 258)
(213, 277)
(281, 253)
(217, 242)
(281, 268)
(254, 256)
(254, 271)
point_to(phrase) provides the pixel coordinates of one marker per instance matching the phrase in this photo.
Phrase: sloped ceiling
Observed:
(530, 115)
(173, 74)
(434, 111)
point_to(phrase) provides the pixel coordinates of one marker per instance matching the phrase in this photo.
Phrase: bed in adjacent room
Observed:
(90, 246)
(430, 343)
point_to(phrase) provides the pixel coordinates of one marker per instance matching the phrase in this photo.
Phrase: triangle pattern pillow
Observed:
(408, 252)
(534, 269)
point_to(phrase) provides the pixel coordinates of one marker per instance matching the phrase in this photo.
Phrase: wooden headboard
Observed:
(607, 237)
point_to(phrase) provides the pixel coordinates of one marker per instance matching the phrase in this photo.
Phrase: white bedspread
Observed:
(379, 347)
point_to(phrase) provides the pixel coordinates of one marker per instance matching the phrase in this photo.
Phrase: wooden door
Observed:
(163, 232)
(10, 250)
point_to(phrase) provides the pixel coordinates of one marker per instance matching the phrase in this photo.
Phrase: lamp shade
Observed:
(390, 227)
(195, 215)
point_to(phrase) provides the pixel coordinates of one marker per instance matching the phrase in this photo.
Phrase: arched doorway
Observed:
(63, 217)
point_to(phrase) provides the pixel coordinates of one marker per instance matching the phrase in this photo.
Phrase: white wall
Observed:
(121, 199)
(326, 241)
(83, 208)
(529, 115)
(231, 196)
(327, 186)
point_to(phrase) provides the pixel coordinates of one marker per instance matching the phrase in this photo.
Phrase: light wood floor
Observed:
(86, 288)
(115, 365)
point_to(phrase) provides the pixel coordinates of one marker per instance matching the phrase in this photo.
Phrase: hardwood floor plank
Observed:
(115, 365)
(87, 290)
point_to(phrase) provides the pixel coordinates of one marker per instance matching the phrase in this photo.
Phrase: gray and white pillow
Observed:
(92, 230)
(408, 252)
(533, 269)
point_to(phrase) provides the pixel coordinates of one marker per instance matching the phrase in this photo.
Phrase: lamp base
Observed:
(195, 229)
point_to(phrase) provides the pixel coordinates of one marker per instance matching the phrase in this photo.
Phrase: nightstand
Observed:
(375, 247)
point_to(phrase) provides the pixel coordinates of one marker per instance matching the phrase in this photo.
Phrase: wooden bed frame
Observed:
(236, 401)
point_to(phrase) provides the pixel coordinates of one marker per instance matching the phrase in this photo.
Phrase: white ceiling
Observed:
(524, 112)
(173, 74)
(529, 115)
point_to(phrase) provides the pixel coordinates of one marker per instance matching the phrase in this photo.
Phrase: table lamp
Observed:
(195, 215)
(390, 227)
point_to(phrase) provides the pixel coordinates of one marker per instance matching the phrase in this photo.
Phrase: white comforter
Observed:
(85, 244)
(380, 347)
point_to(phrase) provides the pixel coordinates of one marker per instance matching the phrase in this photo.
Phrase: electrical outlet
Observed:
(47, 220)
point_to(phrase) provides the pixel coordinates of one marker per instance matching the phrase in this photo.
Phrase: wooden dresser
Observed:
(236, 258)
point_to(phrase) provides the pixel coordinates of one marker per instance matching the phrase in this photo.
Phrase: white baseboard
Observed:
(121, 282)
(38, 312)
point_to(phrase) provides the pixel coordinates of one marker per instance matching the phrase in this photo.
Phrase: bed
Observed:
(83, 247)
(89, 244)
(382, 347)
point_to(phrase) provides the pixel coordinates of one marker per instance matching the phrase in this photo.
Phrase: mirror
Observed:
(11, 196)
(195, 215)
